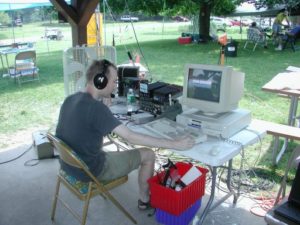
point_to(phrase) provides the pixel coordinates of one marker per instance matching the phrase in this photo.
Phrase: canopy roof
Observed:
(248, 9)
(6, 5)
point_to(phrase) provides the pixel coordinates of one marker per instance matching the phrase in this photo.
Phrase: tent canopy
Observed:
(248, 9)
(6, 5)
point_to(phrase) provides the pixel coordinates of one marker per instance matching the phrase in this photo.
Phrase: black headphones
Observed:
(101, 80)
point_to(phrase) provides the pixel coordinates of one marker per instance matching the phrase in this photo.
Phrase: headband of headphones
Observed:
(100, 79)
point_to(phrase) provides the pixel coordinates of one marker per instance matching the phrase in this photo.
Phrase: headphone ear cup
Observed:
(100, 81)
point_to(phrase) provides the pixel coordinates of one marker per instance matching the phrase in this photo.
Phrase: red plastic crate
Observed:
(175, 202)
(184, 40)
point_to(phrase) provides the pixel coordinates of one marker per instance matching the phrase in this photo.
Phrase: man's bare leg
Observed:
(145, 172)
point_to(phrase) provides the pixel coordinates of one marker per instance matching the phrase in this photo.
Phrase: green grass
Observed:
(35, 104)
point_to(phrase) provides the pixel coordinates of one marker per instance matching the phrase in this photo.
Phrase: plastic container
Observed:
(183, 219)
(184, 40)
(223, 39)
(172, 201)
(231, 49)
(130, 100)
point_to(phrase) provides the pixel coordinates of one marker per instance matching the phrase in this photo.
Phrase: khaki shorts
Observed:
(118, 164)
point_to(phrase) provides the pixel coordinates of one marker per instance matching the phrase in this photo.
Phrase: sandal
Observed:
(144, 205)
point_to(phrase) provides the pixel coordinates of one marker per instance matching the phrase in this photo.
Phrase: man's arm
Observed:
(183, 143)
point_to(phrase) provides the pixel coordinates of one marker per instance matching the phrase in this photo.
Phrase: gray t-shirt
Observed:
(82, 124)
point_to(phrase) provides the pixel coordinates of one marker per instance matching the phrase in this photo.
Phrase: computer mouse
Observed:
(215, 150)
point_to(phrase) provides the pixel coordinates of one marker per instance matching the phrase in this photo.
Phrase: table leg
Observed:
(212, 195)
(282, 188)
(235, 195)
(2, 63)
(291, 122)
(7, 64)
(209, 207)
(293, 110)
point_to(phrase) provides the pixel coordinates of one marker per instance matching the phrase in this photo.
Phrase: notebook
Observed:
(291, 208)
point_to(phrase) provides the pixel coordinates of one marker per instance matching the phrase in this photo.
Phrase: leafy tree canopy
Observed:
(171, 7)
(271, 3)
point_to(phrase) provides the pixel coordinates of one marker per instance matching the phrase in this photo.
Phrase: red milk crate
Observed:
(184, 40)
(175, 202)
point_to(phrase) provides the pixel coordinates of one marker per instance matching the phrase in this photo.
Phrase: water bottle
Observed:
(130, 101)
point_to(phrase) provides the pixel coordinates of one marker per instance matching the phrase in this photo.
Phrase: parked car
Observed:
(235, 22)
(247, 22)
(18, 23)
(180, 19)
(221, 23)
(128, 18)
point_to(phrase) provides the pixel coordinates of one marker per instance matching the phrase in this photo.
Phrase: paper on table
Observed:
(293, 68)
(285, 81)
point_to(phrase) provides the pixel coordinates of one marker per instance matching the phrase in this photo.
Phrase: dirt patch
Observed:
(11, 141)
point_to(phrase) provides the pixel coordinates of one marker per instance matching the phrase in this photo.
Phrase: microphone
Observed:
(112, 95)
(129, 55)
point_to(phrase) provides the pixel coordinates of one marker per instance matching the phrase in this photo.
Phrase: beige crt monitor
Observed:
(212, 88)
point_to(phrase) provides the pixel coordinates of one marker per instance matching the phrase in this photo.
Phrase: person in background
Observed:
(278, 23)
(83, 122)
(262, 34)
(293, 33)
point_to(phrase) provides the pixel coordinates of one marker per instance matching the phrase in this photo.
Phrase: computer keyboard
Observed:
(172, 130)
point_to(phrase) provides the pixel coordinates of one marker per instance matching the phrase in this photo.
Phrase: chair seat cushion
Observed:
(82, 187)
(24, 72)
(24, 64)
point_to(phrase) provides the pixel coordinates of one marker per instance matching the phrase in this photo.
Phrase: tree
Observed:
(4, 18)
(217, 7)
(203, 8)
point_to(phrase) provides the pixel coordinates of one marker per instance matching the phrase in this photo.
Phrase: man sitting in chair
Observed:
(83, 122)
(262, 34)
(289, 35)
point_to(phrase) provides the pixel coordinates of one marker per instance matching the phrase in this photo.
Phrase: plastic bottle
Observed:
(130, 101)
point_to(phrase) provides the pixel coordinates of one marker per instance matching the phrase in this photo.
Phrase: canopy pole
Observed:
(12, 23)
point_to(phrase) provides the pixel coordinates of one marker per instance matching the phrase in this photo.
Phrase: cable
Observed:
(32, 162)
(19, 156)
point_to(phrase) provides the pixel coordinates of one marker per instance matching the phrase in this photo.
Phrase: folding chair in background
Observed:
(256, 37)
(25, 68)
(83, 190)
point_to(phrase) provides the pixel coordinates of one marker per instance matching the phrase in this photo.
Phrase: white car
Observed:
(128, 18)
(221, 23)
(247, 22)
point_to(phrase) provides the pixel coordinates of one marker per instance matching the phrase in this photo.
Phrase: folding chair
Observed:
(255, 36)
(83, 190)
(289, 39)
(25, 66)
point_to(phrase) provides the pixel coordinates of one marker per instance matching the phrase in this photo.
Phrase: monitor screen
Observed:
(204, 84)
(212, 88)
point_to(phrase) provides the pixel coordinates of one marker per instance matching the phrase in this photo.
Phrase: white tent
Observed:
(249, 9)
(7, 5)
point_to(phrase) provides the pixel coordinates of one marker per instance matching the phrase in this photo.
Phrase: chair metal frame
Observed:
(25, 65)
(95, 187)
(255, 36)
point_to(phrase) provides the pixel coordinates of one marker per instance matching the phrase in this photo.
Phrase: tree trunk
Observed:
(204, 21)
